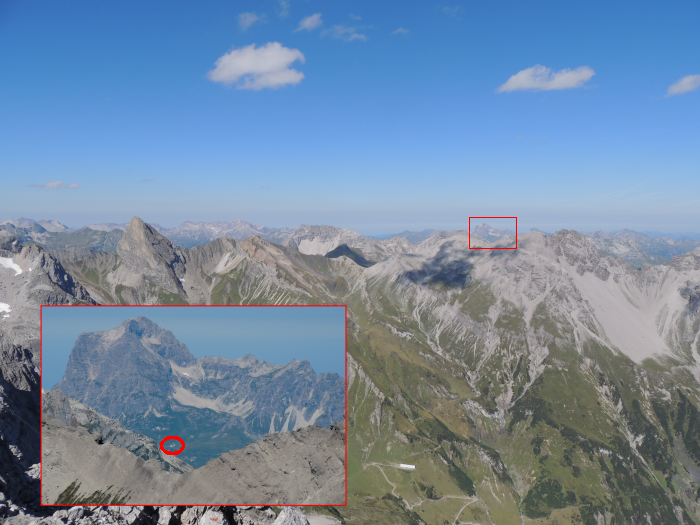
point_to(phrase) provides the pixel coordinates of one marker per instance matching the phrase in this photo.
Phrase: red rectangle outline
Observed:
(41, 386)
(470, 233)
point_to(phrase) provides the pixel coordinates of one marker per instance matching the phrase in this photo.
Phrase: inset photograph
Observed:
(187, 405)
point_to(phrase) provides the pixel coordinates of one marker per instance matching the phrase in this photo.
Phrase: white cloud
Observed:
(540, 78)
(245, 20)
(400, 31)
(283, 8)
(452, 11)
(355, 17)
(684, 85)
(258, 67)
(58, 184)
(310, 22)
(345, 33)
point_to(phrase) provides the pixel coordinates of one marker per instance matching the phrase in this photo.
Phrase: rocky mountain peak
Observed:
(54, 226)
(145, 251)
(576, 249)
(687, 262)
(162, 342)
(9, 243)
(246, 361)
(142, 241)
(142, 326)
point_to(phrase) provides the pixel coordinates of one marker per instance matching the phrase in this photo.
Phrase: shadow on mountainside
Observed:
(345, 250)
(448, 268)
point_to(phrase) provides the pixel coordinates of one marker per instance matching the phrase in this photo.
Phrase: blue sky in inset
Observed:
(409, 115)
(274, 334)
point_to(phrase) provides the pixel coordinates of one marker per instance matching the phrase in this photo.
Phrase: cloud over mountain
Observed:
(541, 78)
(345, 33)
(256, 68)
(310, 22)
(245, 20)
(55, 185)
(684, 85)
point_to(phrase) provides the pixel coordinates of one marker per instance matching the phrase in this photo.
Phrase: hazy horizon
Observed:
(547, 228)
(354, 114)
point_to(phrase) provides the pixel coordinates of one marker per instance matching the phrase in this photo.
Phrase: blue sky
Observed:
(274, 334)
(377, 117)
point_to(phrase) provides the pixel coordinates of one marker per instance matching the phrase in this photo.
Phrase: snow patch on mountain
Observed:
(319, 240)
(241, 408)
(297, 415)
(8, 263)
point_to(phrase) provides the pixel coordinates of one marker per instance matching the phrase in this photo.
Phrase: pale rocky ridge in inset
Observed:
(306, 466)
(73, 413)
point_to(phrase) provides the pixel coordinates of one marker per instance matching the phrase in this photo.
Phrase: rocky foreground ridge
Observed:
(306, 466)
(181, 515)
(73, 413)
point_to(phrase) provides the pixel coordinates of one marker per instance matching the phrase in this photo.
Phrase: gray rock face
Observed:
(72, 413)
(141, 375)
(19, 437)
(29, 277)
(302, 467)
(578, 250)
(111, 371)
(150, 269)
(119, 515)
(687, 262)
(144, 250)
(291, 516)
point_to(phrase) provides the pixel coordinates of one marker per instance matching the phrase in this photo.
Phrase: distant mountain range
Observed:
(412, 237)
(491, 234)
(633, 247)
(639, 249)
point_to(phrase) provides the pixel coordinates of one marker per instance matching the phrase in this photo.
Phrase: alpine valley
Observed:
(554, 383)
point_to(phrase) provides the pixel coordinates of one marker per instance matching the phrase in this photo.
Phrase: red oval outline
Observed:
(175, 452)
